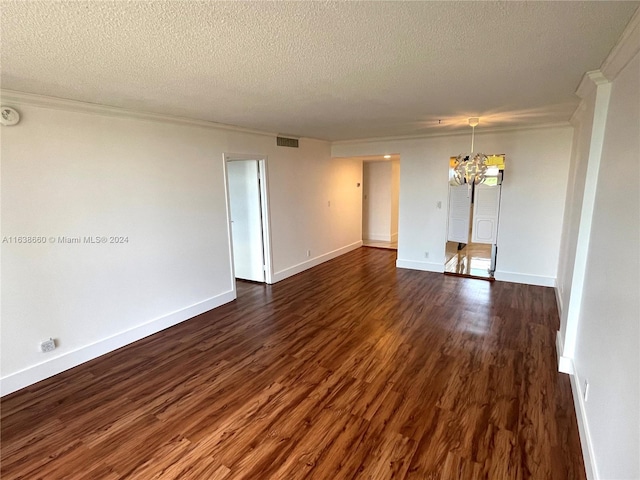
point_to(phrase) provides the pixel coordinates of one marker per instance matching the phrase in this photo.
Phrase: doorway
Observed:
(248, 217)
(472, 230)
(380, 201)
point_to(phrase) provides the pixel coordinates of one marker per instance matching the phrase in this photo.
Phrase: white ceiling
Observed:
(331, 70)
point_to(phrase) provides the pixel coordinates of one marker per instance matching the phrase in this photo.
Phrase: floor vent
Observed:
(287, 142)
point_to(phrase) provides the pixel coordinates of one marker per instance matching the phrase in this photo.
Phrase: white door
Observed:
(246, 219)
(459, 213)
(486, 208)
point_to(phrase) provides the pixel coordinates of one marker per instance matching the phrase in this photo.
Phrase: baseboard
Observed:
(378, 237)
(424, 266)
(583, 426)
(559, 301)
(67, 360)
(565, 364)
(301, 267)
(524, 278)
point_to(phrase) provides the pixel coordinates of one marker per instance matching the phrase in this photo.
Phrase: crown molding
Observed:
(621, 54)
(309, 139)
(589, 82)
(452, 133)
(44, 101)
(576, 118)
(624, 50)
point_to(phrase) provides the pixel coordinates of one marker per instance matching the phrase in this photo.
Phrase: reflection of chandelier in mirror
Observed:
(470, 168)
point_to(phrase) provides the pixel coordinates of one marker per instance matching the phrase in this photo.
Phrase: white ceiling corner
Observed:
(331, 70)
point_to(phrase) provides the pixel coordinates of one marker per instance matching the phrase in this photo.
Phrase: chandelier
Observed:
(470, 168)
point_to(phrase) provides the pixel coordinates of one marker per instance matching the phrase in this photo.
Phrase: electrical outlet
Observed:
(426, 254)
(48, 345)
(308, 253)
(585, 392)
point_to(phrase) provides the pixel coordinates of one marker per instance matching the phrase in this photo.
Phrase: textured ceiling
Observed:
(331, 70)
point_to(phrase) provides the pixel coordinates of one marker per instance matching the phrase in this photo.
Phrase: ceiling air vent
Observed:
(287, 142)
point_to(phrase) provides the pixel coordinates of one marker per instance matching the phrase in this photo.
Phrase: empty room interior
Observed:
(328, 240)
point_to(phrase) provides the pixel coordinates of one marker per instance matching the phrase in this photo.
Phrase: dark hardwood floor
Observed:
(354, 369)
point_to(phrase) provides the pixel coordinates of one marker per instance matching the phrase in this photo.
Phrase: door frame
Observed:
(368, 160)
(264, 210)
(494, 246)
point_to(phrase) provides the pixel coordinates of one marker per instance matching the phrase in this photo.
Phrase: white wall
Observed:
(69, 172)
(598, 280)
(377, 184)
(583, 121)
(77, 174)
(316, 206)
(533, 197)
(395, 198)
(607, 351)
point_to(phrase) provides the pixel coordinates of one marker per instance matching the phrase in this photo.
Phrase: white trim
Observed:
(67, 360)
(565, 364)
(423, 266)
(514, 277)
(588, 452)
(44, 101)
(627, 47)
(447, 133)
(598, 127)
(266, 219)
(228, 212)
(576, 118)
(558, 301)
(264, 205)
(311, 139)
(379, 237)
(590, 82)
(301, 267)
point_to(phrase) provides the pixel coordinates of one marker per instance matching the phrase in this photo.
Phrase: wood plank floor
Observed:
(354, 369)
